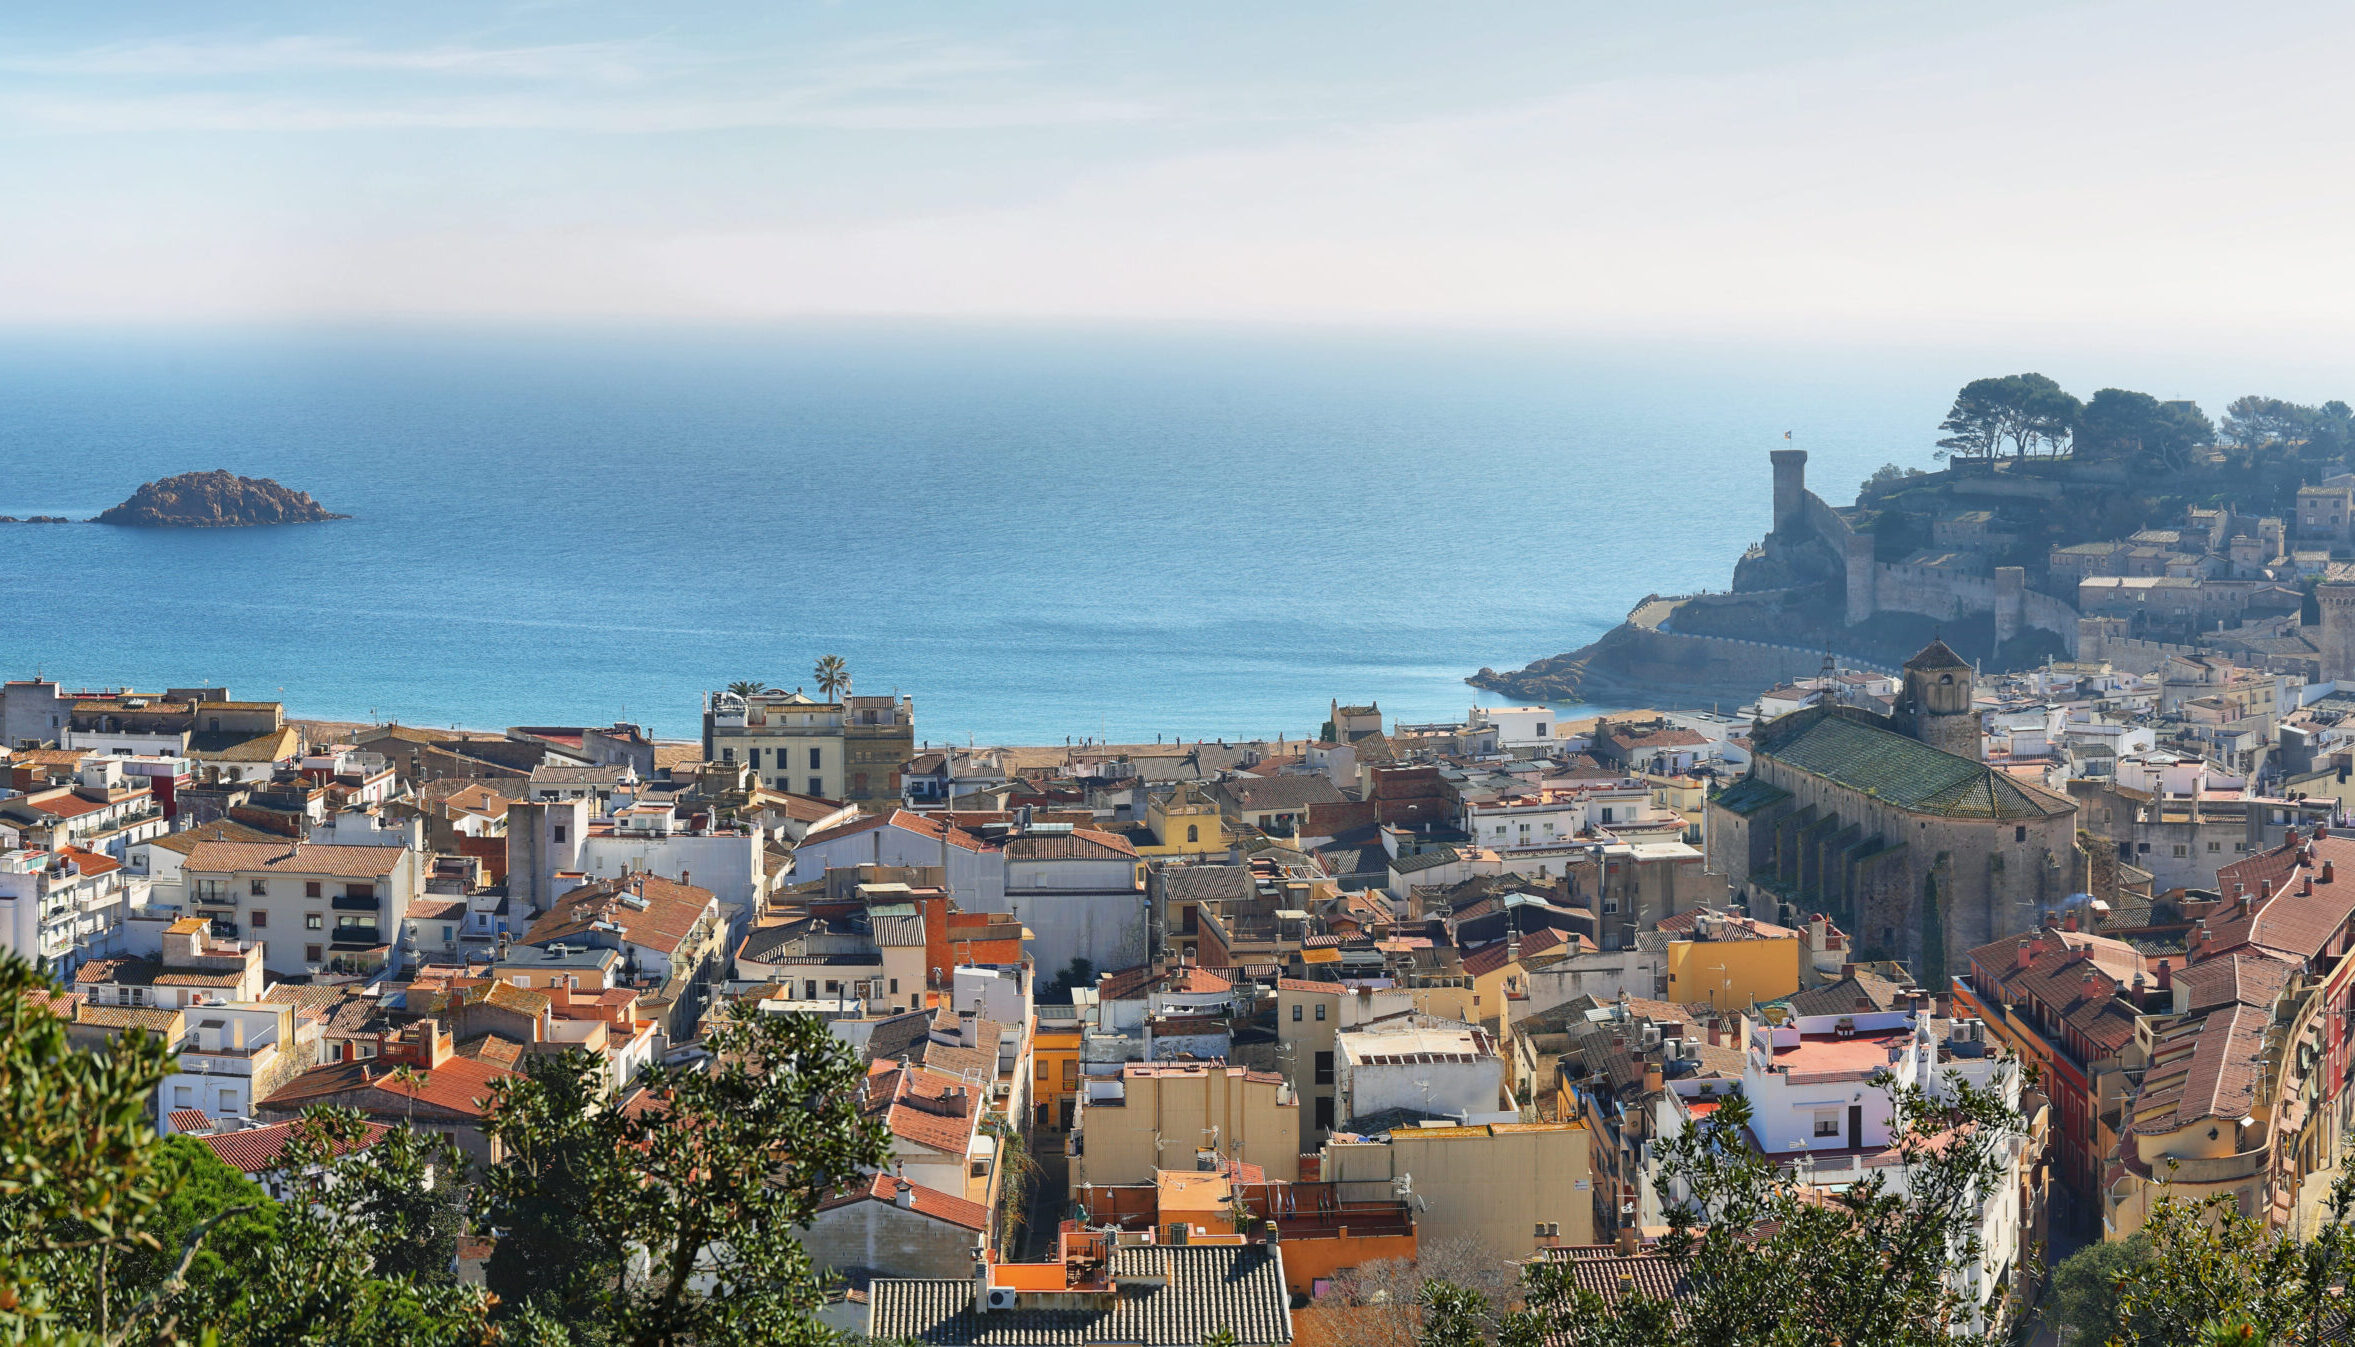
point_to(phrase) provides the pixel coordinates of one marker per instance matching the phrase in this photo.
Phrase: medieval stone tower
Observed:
(1935, 706)
(2336, 597)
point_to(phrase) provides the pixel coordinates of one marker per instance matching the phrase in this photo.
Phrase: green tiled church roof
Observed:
(1839, 744)
(1749, 795)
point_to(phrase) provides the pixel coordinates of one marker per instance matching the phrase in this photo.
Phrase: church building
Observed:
(1894, 827)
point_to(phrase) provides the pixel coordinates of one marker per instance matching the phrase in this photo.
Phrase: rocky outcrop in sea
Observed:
(216, 499)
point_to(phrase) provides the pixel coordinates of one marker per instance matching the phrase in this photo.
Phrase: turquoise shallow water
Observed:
(1036, 532)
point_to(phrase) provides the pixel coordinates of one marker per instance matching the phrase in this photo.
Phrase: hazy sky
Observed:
(1729, 168)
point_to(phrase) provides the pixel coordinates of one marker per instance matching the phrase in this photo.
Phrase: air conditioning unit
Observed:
(1001, 1297)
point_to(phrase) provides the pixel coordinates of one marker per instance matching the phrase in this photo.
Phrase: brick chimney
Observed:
(2166, 976)
(2328, 872)
(2025, 953)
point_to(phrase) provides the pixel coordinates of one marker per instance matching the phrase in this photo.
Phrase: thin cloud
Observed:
(604, 62)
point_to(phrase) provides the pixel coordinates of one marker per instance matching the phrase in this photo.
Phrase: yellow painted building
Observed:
(1730, 962)
(1186, 823)
(1511, 1188)
(1054, 1071)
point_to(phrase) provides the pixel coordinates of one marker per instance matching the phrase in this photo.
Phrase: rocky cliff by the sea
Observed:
(216, 499)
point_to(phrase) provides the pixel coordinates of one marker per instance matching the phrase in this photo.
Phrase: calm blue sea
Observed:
(1037, 532)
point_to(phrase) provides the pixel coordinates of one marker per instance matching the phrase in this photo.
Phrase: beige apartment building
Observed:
(1511, 1188)
(1164, 1115)
(849, 750)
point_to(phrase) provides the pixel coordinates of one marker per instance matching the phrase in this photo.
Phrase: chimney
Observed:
(2069, 922)
(1654, 1079)
(904, 1194)
(2289, 837)
(2328, 872)
(1627, 1242)
(2166, 976)
(2306, 887)
(2026, 951)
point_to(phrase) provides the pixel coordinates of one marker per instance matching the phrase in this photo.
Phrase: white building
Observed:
(230, 1055)
(1423, 1065)
(1822, 1091)
(1516, 726)
(651, 839)
(1077, 893)
(60, 909)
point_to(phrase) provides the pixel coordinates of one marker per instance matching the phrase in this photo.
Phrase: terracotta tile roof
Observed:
(667, 915)
(493, 1049)
(220, 830)
(924, 1201)
(1608, 1273)
(459, 1085)
(2068, 979)
(255, 1150)
(1080, 844)
(1309, 985)
(300, 858)
(234, 746)
(2248, 977)
(1494, 955)
(127, 1017)
(64, 806)
(899, 818)
(190, 1120)
(922, 1105)
(2206, 1068)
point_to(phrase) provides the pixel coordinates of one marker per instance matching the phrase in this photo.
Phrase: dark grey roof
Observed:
(1209, 1287)
(1424, 860)
(899, 931)
(1281, 792)
(766, 943)
(1857, 991)
(897, 1037)
(1211, 883)
(547, 775)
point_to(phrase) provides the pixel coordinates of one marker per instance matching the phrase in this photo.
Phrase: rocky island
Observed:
(216, 499)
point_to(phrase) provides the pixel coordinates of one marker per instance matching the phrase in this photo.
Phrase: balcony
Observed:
(344, 902)
(356, 937)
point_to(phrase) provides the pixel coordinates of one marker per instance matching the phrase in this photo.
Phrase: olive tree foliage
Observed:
(681, 1207)
(2213, 1274)
(1765, 1262)
(111, 1234)
(81, 1173)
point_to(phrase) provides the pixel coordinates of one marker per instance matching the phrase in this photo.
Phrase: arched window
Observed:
(1193, 832)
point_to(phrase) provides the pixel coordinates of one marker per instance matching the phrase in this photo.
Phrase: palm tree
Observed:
(833, 677)
(410, 1080)
(746, 687)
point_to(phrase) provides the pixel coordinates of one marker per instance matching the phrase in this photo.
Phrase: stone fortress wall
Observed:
(1874, 586)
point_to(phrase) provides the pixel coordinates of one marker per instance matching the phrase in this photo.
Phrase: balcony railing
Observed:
(344, 902)
(356, 937)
